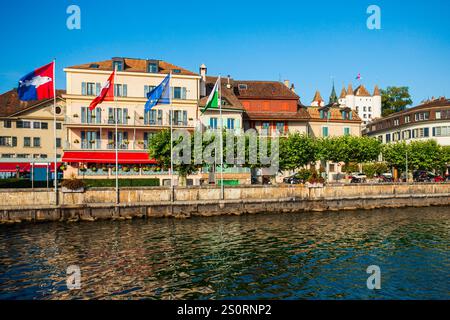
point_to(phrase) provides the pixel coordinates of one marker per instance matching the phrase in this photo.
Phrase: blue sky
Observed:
(307, 42)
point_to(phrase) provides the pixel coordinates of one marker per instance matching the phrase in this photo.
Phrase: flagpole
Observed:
(117, 137)
(172, 189)
(222, 187)
(54, 131)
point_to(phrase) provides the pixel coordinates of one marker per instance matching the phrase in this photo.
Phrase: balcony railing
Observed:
(130, 121)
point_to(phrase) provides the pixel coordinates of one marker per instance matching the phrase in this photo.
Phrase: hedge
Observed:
(99, 183)
(23, 184)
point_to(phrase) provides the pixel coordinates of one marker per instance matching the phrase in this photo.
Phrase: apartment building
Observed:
(89, 136)
(429, 120)
(27, 133)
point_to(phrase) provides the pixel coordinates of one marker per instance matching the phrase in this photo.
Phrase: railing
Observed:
(130, 121)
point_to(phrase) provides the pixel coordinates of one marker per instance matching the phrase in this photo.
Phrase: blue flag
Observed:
(159, 95)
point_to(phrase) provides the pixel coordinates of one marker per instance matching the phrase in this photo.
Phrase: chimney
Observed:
(229, 82)
(203, 72)
(293, 88)
(286, 83)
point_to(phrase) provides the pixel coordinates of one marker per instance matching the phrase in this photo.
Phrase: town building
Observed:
(89, 137)
(27, 140)
(368, 106)
(429, 120)
(332, 119)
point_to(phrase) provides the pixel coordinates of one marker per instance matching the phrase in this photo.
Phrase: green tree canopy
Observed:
(395, 99)
(297, 150)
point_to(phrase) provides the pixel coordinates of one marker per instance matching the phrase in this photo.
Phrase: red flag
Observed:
(106, 94)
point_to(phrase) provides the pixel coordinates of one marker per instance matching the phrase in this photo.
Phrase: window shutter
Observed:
(185, 118)
(434, 131)
(83, 114)
(14, 141)
(110, 136)
(160, 117)
(98, 115)
(83, 89)
(98, 88)
(146, 117)
(83, 136)
(183, 93)
(238, 124)
(125, 90)
(426, 132)
(146, 91)
(125, 116)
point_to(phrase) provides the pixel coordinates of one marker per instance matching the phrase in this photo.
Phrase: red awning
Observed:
(108, 157)
(25, 167)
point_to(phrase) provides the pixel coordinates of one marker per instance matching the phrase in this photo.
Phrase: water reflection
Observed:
(293, 256)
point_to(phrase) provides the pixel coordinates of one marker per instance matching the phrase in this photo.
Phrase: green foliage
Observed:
(297, 150)
(376, 168)
(350, 149)
(73, 184)
(22, 184)
(423, 155)
(110, 183)
(395, 99)
(350, 167)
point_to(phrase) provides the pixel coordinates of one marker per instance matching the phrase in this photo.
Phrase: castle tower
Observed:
(333, 96)
(377, 107)
(317, 101)
(350, 98)
(342, 97)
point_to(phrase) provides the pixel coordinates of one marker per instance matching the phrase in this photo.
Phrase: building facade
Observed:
(368, 106)
(430, 120)
(89, 137)
(27, 133)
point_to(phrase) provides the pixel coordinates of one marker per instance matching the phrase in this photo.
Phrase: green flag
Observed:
(213, 100)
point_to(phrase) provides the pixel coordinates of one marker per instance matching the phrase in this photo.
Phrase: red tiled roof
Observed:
(10, 103)
(263, 90)
(300, 115)
(134, 65)
(336, 115)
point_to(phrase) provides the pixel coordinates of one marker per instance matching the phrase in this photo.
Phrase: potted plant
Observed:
(83, 168)
(94, 169)
(126, 142)
(136, 169)
(73, 185)
(75, 116)
(63, 167)
(76, 141)
(126, 169)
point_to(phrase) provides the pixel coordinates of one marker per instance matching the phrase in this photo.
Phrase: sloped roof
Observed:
(343, 93)
(133, 65)
(376, 92)
(336, 115)
(263, 90)
(300, 115)
(227, 94)
(317, 96)
(10, 103)
(361, 91)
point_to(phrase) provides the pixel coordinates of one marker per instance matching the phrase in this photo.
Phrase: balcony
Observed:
(105, 145)
(136, 121)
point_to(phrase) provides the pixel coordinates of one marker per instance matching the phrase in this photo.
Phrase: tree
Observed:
(395, 99)
(350, 149)
(296, 151)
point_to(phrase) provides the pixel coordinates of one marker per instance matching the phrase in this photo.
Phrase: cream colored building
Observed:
(92, 134)
(27, 131)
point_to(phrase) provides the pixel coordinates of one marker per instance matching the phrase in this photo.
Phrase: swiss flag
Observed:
(106, 94)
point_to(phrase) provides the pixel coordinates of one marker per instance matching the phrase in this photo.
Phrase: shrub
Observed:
(73, 184)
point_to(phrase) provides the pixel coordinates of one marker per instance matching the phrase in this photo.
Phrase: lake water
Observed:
(291, 256)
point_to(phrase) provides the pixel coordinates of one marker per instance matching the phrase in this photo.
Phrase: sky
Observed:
(310, 43)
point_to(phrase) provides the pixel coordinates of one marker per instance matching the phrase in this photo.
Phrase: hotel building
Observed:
(89, 137)
(429, 120)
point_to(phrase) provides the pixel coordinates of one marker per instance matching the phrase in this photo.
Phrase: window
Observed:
(118, 65)
(7, 124)
(8, 141)
(148, 89)
(242, 87)
(230, 123)
(23, 156)
(441, 131)
(121, 113)
(265, 128)
(90, 89)
(120, 90)
(180, 118)
(176, 70)
(90, 140)
(370, 109)
(58, 142)
(396, 122)
(122, 138)
(179, 93)
(58, 126)
(7, 155)
(407, 119)
(325, 132)
(27, 142)
(438, 115)
(44, 126)
(23, 124)
(153, 117)
(213, 123)
(152, 67)
(346, 131)
(36, 125)
(280, 127)
(388, 138)
(36, 142)
(364, 109)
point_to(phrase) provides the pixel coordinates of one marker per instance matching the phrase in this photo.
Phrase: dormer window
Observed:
(176, 71)
(152, 67)
(118, 65)
(242, 86)
(94, 66)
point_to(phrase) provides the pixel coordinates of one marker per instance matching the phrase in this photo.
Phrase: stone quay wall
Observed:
(99, 203)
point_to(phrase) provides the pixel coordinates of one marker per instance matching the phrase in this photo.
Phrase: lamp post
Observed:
(407, 175)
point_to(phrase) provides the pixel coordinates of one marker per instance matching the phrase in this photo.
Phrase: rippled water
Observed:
(293, 256)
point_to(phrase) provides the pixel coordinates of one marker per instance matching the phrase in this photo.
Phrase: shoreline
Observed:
(203, 202)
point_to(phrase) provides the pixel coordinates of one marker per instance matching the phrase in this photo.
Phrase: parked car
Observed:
(386, 177)
(294, 179)
(426, 176)
(358, 177)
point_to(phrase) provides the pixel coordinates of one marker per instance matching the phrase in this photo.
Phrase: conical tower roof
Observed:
(350, 90)
(317, 96)
(376, 92)
(333, 96)
(343, 93)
